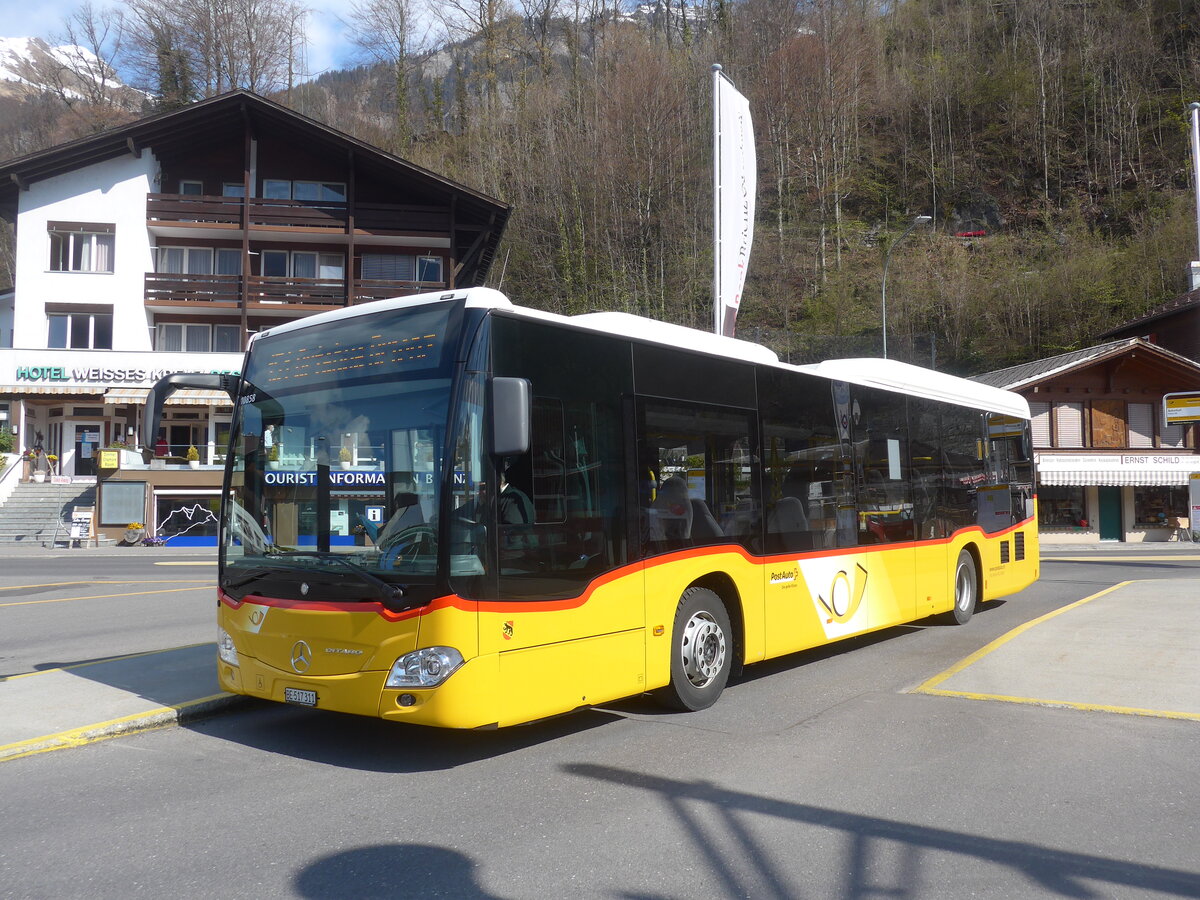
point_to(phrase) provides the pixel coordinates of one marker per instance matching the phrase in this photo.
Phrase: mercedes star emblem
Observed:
(301, 657)
(304, 588)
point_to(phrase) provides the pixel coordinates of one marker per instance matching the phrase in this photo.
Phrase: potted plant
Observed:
(52, 463)
(39, 474)
(134, 532)
(345, 457)
(193, 457)
(273, 457)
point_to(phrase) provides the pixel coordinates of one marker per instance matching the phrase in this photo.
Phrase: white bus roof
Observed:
(887, 374)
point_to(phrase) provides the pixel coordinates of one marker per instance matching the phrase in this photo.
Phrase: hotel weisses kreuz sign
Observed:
(82, 368)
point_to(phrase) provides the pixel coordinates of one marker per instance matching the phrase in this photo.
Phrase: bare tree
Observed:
(387, 30)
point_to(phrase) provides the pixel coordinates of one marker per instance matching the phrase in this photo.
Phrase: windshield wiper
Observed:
(390, 592)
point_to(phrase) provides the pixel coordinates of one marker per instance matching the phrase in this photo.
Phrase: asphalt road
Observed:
(61, 610)
(815, 776)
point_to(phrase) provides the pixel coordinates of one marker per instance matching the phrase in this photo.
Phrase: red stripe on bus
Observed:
(461, 603)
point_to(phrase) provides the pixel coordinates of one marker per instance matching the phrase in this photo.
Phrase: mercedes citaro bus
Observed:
(445, 509)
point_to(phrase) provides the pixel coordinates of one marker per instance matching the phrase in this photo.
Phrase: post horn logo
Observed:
(845, 598)
(301, 657)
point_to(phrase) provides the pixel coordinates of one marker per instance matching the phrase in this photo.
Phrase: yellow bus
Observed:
(449, 510)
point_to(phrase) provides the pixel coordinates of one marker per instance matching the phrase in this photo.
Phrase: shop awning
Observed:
(179, 398)
(60, 389)
(1117, 470)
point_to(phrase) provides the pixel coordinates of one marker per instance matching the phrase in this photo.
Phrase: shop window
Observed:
(1159, 505)
(81, 247)
(80, 331)
(122, 502)
(1061, 507)
(186, 520)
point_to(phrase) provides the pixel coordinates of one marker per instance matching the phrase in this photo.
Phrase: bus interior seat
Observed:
(672, 520)
(787, 517)
(704, 526)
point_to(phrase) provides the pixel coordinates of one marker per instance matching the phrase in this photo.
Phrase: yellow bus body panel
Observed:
(527, 660)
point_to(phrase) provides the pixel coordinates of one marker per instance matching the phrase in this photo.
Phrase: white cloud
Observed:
(329, 46)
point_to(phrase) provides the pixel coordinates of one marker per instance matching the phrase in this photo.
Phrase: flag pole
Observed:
(718, 312)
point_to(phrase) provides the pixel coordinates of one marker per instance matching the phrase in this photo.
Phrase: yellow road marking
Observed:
(104, 596)
(931, 686)
(18, 587)
(99, 662)
(151, 720)
(1065, 704)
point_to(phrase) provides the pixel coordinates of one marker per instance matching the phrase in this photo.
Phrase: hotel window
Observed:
(178, 337)
(191, 188)
(233, 189)
(81, 247)
(280, 189)
(401, 267)
(1040, 413)
(303, 264)
(80, 330)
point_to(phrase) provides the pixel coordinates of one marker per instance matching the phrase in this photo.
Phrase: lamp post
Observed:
(887, 258)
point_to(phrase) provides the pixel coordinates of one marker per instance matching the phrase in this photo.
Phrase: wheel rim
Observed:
(964, 589)
(703, 649)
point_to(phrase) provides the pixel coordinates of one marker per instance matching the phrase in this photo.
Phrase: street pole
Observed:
(887, 258)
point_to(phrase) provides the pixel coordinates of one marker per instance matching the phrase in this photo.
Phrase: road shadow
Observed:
(390, 871)
(743, 868)
(375, 745)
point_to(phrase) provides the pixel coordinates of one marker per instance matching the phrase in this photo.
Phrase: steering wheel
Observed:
(413, 542)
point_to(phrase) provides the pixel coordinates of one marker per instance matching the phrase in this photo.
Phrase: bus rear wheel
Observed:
(701, 652)
(966, 588)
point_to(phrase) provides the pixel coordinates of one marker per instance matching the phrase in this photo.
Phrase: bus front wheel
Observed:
(701, 652)
(966, 588)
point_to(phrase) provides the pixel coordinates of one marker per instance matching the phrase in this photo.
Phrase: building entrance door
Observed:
(1111, 526)
(86, 438)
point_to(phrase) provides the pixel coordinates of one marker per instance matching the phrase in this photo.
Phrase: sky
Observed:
(328, 47)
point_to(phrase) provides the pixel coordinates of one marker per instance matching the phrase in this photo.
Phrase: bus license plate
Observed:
(304, 698)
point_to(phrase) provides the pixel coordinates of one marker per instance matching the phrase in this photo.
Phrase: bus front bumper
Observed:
(467, 699)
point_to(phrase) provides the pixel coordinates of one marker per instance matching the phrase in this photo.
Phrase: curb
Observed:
(153, 719)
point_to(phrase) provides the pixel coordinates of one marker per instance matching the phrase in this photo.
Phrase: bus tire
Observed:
(701, 652)
(966, 588)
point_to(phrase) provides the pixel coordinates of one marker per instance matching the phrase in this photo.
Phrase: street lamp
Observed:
(887, 257)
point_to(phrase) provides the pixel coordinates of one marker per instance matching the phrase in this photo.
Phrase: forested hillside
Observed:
(1053, 132)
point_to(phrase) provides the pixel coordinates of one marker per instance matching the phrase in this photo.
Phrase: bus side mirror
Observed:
(512, 399)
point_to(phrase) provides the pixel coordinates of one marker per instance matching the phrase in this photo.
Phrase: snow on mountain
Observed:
(30, 65)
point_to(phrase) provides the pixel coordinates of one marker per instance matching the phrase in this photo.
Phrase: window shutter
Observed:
(1070, 424)
(1041, 424)
(1172, 435)
(1141, 424)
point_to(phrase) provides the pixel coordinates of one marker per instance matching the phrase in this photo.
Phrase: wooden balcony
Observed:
(319, 215)
(225, 291)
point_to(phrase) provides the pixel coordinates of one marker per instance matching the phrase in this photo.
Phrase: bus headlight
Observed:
(225, 648)
(424, 668)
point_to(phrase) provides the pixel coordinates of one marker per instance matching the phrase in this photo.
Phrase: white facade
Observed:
(111, 193)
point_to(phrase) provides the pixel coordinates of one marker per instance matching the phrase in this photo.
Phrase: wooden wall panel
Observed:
(1108, 423)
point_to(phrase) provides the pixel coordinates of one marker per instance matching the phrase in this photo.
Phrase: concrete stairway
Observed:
(33, 511)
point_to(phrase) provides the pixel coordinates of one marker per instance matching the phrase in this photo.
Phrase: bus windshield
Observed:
(335, 469)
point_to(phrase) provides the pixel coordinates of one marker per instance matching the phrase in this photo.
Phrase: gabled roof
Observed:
(184, 127)
(1184, 301)
(1014, 378)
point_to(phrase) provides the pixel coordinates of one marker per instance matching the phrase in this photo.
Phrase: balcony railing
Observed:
(227, 289)
(321, 214)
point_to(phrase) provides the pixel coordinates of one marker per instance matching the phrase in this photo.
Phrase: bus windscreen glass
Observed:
(335, 476)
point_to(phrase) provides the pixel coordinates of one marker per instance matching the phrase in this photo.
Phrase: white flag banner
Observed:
(735, 185)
